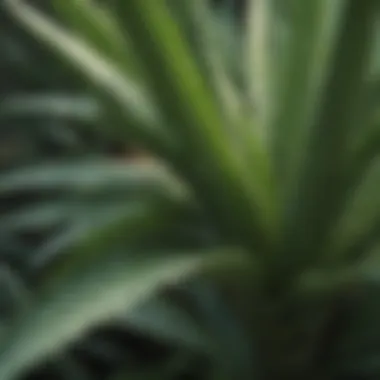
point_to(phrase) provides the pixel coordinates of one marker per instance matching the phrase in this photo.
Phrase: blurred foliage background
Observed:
(80, 199)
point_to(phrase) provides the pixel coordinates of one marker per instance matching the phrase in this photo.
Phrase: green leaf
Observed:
(175, 79)
(72, 107)
(215, 40)
(228, 34)
(263, 59)
(314, 30)
(97, 232)
(40, 216)
(93, 177)
(375, 64)
(95, 23)
(129, 102)
(237, 203)
(207, 34)
(359, 226)
(330, 61)
(73, 306)
(161, 319)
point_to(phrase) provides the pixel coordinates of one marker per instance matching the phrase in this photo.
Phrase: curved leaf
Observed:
(94, 23)
(92, 176)
(130, 102)
(75, 304)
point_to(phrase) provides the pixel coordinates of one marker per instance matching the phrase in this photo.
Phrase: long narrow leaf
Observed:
(94, 22)
(313, 38)
(91, 177)
(262, 58)
(187, 102)
(204, 31)
(131, 102)
(70, 106)
(76, 305)
(339, 86)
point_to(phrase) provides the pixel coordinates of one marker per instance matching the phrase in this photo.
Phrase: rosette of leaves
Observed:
(264, 186)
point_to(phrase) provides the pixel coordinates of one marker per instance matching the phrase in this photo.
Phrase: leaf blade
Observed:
(75, 306)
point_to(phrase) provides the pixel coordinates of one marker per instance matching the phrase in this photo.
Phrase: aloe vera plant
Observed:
(251, 238)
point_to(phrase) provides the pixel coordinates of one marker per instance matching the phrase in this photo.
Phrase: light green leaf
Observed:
(237, 203)
(262, 60)
(70, 106)
(129, 101)
(94, 177)
(95, 23)
(207, 34)
(215, 39)
(73, 306)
